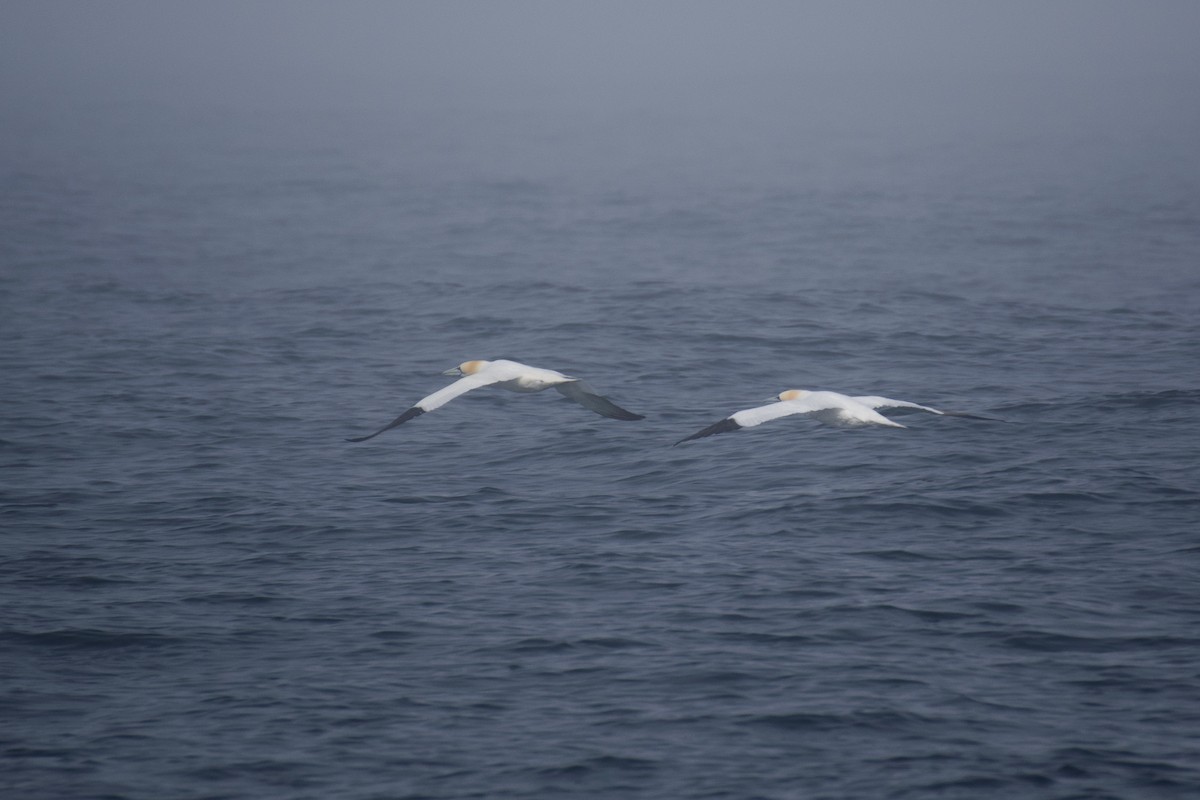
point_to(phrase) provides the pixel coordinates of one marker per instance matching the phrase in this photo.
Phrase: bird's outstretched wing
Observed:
(587, 397)
(434, 401)
(461, 386)
(873, 401)
(816, 405)
(723, 426)
(400, 420)
(750, 417)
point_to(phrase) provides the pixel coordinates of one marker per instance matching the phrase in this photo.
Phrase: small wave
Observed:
(930, 615)
(600, 764)
(1093, 406)
(1110, 764)
(1047, 642)
(1058, 499)
(984, 783)
(943, 508)
(611, 643)
(1160, 399)
(537, 644)
(88, 639)
(901, 555)
(232, 598)
(815, 721)
(752, 637)
(392, 635)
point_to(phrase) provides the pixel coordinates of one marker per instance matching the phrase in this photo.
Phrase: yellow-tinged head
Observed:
(793, 394)
(467, 368)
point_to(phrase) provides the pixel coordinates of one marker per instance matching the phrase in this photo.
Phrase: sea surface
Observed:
(207, 592)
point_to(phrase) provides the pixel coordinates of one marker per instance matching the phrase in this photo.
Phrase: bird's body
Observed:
(523, 378)
(515, 377)
(830, 408)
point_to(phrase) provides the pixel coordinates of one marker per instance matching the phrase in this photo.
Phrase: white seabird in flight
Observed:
(830, 408)
(516, 377)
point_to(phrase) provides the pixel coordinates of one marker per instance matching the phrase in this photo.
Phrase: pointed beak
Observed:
(455, 371)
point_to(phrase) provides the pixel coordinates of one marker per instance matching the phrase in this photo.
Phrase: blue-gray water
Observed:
(209, 593)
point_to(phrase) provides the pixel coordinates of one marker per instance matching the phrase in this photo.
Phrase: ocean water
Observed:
(209, 593)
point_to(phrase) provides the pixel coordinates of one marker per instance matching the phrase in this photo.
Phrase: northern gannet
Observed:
(830, 408)
(514, 376)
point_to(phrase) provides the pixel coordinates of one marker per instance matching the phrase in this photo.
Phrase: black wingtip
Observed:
(723, 426)
(400, 420)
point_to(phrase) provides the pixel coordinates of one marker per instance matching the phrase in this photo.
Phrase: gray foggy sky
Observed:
(56, 53)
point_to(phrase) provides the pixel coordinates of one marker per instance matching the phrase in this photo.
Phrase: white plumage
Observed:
(515, 377)
(831, 408)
